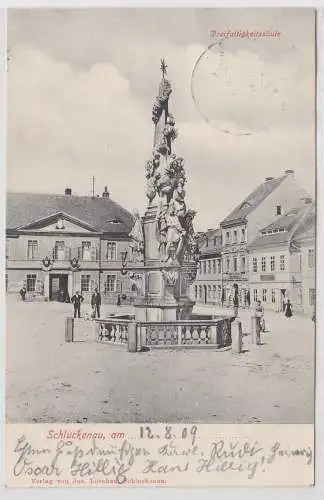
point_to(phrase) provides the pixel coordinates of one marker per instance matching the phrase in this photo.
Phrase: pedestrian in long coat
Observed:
(288, 309)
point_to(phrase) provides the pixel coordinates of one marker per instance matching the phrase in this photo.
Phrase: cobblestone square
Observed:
(48, 380)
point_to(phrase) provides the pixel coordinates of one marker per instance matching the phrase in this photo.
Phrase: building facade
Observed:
(282, 261)
(264, 205)
(57, 244)
(208, 283)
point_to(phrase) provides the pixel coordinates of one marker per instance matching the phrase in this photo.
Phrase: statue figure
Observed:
(150, 169)
(169, 132)
(178, 198)
(164, 183)
(137, 243)
(174, 237)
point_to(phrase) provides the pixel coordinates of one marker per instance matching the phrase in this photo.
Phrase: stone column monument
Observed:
(164, 240)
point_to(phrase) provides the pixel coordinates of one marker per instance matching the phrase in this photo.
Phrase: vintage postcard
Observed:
(160, 247)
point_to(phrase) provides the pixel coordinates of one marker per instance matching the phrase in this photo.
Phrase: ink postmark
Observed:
(236, 90)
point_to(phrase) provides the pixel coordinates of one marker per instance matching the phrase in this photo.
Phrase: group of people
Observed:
(77, 300)
(259, 311)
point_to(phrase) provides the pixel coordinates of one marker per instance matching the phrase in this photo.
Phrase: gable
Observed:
(59, 223)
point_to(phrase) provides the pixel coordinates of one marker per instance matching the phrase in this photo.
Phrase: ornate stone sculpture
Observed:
(137, 243)
(165, 174)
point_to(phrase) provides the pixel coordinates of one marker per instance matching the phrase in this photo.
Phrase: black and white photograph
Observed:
(160, 216)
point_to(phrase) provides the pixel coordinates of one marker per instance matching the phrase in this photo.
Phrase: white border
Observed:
(205, 493)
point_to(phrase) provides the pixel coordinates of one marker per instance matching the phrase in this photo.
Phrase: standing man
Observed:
(96, 303)
(76, 301)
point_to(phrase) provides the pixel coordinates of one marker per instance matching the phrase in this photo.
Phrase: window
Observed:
(264, 295)
(255, 295)
(263, 264)
(278, 211)
(204, 267)
(206, 242)
(86, 245)
(272, 263)
(200, 292)
(32, 249)
(255, 264)
(311, 258)
(235, 264)
(214, 266)
(209, 292)
(111, 251)
(227, 265)
(31, 282)
(243, 264)
(7, 249)
(110, 284)
(282, 263)
(196, 292)
(227, 237)
(243, 234)
(235, 236)
(312, 296)
(215, 241)
(209, 267)
(59, 250)
(85, 283)
(7, 283)
(273, 296)
(219, 266)
(214, 292)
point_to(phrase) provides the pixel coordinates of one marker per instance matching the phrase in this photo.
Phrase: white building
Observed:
(282, 261)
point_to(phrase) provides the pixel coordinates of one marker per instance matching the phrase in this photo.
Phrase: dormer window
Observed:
(278, 209)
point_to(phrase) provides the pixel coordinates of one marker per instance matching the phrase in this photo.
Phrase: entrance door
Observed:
(58, 287)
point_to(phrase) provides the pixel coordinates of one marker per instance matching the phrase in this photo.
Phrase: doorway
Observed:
(58, 287)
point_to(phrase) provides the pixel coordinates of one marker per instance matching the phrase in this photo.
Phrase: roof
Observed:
(101, 213)
(286, 222)
(270, 240)
(294, 224)
(212, 248)
(307, 228)
(253, 200)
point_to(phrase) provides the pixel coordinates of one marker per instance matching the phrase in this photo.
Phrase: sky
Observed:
(81, 84)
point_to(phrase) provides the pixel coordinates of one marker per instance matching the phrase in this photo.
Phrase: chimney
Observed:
(105, 194)
(269, 178)
(307, 200)
(289, 172)
(68, 191)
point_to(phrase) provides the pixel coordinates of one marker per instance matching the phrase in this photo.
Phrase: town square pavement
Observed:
(48, 380)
